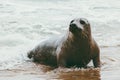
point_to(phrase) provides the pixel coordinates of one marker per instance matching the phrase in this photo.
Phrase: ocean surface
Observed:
(23, 23)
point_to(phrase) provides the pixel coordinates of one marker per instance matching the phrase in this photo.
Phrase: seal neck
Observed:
(83, 37)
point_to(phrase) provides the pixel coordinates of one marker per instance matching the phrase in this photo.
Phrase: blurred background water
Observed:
(23, 23)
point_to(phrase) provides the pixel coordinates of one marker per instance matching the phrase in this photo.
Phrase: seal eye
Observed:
(82, 22)
(71, 21)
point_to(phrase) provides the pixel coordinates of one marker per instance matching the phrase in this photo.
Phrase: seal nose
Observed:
(73, 27)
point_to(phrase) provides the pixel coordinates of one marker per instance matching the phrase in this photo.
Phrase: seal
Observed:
(76, 48)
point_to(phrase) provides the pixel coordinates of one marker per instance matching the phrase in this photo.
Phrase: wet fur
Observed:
(67, 51)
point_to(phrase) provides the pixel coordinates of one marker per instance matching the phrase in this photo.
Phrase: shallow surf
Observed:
(24, 23)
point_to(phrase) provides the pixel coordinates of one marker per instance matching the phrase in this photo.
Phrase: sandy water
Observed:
(23, 23)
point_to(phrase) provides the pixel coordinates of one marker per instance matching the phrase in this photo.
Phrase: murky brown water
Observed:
(42, 72)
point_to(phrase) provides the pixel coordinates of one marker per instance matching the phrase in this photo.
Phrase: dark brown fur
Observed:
(76, 48)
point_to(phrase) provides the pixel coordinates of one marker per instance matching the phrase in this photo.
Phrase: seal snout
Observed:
(73, 27)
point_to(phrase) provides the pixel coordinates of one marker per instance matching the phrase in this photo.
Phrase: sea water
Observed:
(24, 23)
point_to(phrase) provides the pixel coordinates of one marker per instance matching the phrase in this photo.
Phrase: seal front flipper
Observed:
(96, 54)
(96, 61)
